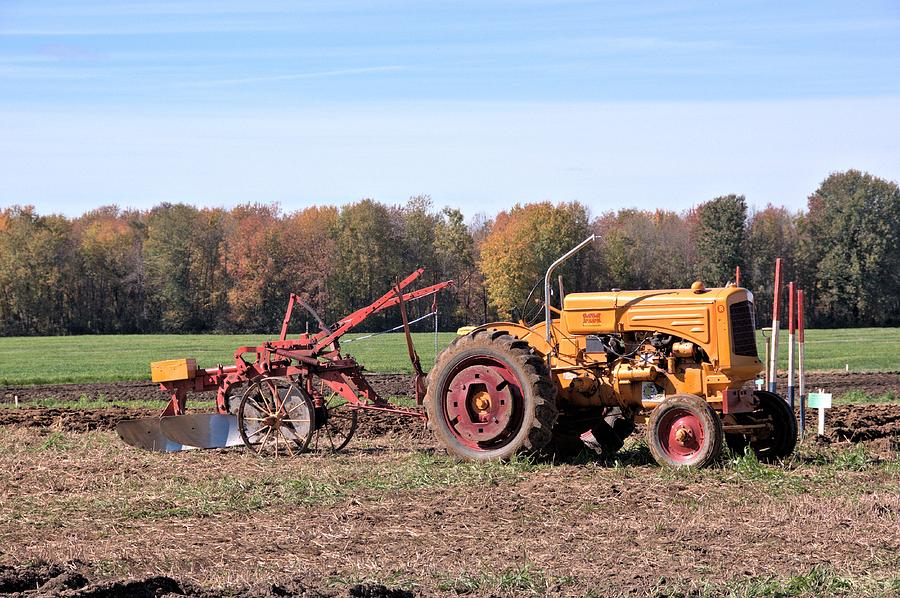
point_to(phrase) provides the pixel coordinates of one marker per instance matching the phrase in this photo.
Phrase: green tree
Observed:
(850, 245)
(721, 236)
(771, 233)
(37, 272)
(455, 258)
(184, 271)
(369, 256)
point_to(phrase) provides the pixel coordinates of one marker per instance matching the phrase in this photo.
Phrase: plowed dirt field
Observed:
(81, 514)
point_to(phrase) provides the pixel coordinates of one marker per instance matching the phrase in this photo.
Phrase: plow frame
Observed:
(306, 357)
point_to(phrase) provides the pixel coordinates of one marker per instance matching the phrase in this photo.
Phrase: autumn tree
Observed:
(456, 259)
(110, 286)
(417, 225)
(644, 250)
(253, 258)
(522, 243)
(308, 237)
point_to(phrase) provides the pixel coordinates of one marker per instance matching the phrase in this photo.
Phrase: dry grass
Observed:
(394, 511)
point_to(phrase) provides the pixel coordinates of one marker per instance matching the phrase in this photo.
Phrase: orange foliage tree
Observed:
(522, 243)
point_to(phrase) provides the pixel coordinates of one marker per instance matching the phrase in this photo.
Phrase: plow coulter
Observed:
(281, 397)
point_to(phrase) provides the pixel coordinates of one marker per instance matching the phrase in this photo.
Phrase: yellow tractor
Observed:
(679, 360)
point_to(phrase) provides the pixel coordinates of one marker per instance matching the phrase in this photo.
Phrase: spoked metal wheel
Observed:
(336, 423)
(276, 417)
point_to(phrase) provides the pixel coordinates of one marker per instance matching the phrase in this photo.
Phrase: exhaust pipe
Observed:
(547, 276)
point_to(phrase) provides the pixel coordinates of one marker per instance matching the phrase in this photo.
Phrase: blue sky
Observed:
(480, 104)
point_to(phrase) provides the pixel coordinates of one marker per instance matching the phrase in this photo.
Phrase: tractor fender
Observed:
(533, 336)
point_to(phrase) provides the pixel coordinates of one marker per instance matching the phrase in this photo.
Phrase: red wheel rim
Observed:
(680, 434)
(482, 402)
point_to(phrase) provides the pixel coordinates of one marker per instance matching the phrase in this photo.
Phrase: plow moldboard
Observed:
(202, 430)
(145, 433)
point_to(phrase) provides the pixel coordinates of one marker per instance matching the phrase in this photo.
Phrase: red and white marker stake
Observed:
(773, 353)
(800, 359)
(790, 381)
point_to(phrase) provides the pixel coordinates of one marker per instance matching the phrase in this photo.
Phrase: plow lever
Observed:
(389, 299)
(413, 356)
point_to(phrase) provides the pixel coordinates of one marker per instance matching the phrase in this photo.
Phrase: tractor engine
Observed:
(618, 365)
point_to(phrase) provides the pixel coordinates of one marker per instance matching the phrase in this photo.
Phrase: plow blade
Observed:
(145, 433)
(202, 430)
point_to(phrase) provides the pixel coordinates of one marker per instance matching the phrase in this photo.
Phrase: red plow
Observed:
(282, 396)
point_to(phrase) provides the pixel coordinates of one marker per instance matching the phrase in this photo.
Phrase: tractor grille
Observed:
(743, 329)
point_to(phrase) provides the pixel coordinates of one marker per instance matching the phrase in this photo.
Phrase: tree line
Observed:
(178, 268)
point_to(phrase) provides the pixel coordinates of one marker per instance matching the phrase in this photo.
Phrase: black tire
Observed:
(233, 399)
(737, 443)
(567, 431)
(608, 427)
(687, 416)
(782, 440)
(531, 411)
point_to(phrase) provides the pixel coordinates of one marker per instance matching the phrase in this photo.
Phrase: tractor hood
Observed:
(692, 314)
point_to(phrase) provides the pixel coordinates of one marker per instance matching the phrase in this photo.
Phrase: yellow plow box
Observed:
(173, 369)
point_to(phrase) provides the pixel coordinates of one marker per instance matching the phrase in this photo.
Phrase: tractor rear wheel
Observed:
(490, 396)
(684, 431)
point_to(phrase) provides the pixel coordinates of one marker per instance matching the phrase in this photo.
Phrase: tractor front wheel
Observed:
(684, 431)
(490, 396)
(778, 436)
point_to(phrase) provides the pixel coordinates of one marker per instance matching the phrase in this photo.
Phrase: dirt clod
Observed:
(68, 580)
(857, 423)
(53, 580)
(378, 591)
(27, 577)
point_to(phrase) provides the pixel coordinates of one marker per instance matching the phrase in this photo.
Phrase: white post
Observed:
(821, 401)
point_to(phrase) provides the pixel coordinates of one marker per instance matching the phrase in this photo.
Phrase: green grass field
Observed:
(862, 349)
(61, 359)
(102, 358)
